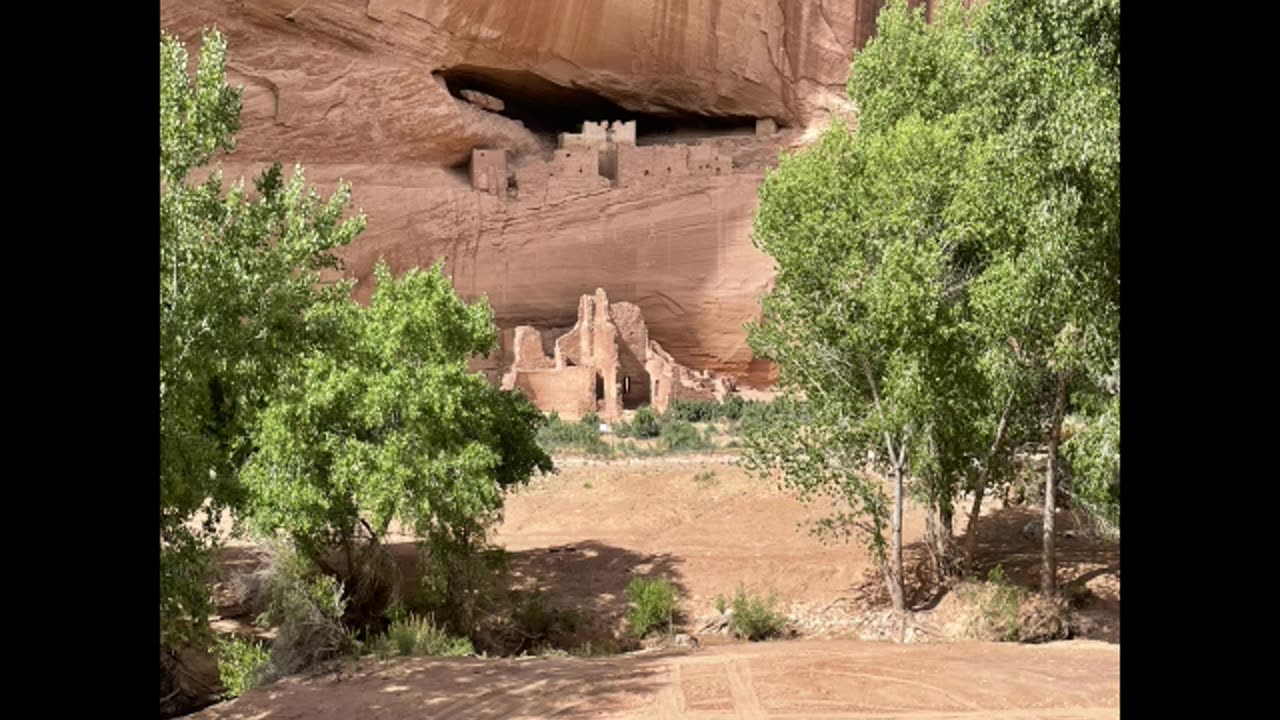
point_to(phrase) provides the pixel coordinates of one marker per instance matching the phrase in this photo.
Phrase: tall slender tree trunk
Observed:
(897, 592)
(1049, 565)
(971, 532)
(944, 543)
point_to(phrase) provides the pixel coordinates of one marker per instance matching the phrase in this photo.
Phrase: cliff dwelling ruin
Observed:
(605, 363)
(600, 156)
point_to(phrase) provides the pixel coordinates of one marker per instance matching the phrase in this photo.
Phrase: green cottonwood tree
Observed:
(236, 275)
(867, 326)
(384, 422)
(955, 257)
(1042, 197)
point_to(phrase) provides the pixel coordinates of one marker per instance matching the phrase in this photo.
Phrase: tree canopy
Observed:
(945, 271)
(281, 398)
(236, 274)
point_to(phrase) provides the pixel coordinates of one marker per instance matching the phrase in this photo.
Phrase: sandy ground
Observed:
(582, 534)
(708, 526)
(816, 679)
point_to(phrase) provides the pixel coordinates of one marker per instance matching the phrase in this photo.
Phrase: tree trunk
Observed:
(944, 543)
(897, 591)
(971, 532)
(1049, 566)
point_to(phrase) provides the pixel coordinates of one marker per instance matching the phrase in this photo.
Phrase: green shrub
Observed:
(694, 410)
(754, 617)
(307, 609)
(645, 424)
(653, 606)
(706, 478)
(583, 436)
(732, 407)
(993, 607)
(756, 415)
(707, 410)
(722, 604)
(413, 635)
(682, 436)
(241, 664)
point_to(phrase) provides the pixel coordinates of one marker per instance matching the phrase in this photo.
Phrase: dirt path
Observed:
(819, 679)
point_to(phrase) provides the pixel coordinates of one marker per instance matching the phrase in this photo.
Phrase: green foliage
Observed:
(681, 436)
(653, 606)
(236, 278)
(755, 416)
(1094, 454)
(385, 422)
(693, 410)
(306, 608)
(992, 607)
(706, 478)
(241, 663)
(707, 410)
(645, 424)
(943, 263)
(411, 636)
(583, 436)
(754, 617)
(722, 604)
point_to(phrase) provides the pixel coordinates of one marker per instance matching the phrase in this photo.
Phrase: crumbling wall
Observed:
(568, 172)
(569, 392)
(672, 381)
(633, 346)
(622, 132)
(651, 163)
(574, 347)
(594, 136)
(610, 347)
(638, 165)
(529, 353)
(489, 171)
(604, 357)
(600, 135)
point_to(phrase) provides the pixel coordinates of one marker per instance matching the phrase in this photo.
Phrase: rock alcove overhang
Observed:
(548, 108)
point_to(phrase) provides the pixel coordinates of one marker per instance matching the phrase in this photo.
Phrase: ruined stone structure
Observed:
(603, 155)
(605, 363)
(600, 136)
(766, 126)
(567, 173)
(489, 171)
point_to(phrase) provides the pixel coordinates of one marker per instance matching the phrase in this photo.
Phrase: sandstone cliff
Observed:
(372, 92)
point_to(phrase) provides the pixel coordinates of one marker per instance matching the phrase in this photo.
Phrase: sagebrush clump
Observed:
(993, 607)
(583, 436)
(754, 617)
(653, 606)
(412, 635)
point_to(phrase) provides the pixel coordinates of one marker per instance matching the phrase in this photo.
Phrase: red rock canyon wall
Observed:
(357, 90)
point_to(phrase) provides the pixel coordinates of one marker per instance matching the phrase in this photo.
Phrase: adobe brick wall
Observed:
(570, 392)
(655, 163)
(605, 363)
(529, 353)
(633, 347)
